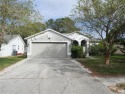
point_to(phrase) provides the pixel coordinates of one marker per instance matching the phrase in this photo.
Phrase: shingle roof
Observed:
(7, 38)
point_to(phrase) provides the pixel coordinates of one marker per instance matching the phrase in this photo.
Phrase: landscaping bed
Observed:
(97, 66)
(8, 61)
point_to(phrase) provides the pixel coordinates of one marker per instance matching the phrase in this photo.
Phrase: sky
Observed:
(55, 8)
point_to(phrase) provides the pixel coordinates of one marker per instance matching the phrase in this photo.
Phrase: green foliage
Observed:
(97, 49)
(100, 50)
(77, 52)
(97, 66)
(16, 14)
(94, 50)
(50, 23)
(62, 25)
(104, 17)
(29, 29)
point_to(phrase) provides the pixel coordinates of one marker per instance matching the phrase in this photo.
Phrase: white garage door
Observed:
(49, 50)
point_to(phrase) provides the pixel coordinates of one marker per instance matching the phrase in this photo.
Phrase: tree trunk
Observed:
(107, 57)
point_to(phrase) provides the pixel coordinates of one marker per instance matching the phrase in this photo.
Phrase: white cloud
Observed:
(55, 8)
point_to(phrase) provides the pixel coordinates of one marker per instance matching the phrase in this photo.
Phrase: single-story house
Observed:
(81, 39)
(52, 44)
(12, 44)
(48, 44)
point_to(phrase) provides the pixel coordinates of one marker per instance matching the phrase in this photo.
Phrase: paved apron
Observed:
(50, 76)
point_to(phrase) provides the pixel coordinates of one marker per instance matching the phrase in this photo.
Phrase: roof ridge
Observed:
(46, 31)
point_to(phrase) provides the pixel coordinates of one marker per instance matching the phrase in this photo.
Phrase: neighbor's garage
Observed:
(49, 49)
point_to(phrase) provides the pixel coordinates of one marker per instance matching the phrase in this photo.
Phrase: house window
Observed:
(14, 47)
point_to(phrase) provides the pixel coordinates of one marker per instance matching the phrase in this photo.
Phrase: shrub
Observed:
(99, 49)
(94, 50)
(77, 52)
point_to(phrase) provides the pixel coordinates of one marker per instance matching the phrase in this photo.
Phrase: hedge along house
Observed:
(48, 44)
(80, 39)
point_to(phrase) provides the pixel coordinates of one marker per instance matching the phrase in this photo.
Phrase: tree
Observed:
(29, 29)
(105, 17)
(14, 13)
(50, 23)
(63, 25)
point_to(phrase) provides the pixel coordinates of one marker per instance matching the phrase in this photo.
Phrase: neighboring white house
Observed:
(48, 44)
(12, 43)
(94, 41)
(82, 39)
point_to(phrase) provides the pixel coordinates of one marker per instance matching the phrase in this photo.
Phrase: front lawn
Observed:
(97, 66)
(7, 61)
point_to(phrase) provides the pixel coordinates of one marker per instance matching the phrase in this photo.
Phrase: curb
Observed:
(12, 66)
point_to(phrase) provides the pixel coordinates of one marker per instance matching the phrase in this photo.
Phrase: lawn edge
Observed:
(82, 66)
(96, 74)
(5, 70)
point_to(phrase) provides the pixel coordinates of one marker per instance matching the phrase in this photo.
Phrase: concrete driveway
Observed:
(50, 76)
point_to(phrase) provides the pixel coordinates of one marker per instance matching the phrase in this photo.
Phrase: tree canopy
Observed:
(105, 17)
(29, 29)
(16, 13)
(62, 25)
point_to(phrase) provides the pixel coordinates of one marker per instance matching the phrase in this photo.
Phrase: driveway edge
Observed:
(81, 66)
(12, 66)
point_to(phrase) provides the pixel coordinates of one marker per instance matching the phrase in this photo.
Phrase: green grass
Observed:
(97, 66)
(7, 61)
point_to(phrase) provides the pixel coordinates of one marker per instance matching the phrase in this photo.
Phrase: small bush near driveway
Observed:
(77, 52)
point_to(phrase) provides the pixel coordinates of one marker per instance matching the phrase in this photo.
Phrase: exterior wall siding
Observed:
(7, 49)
